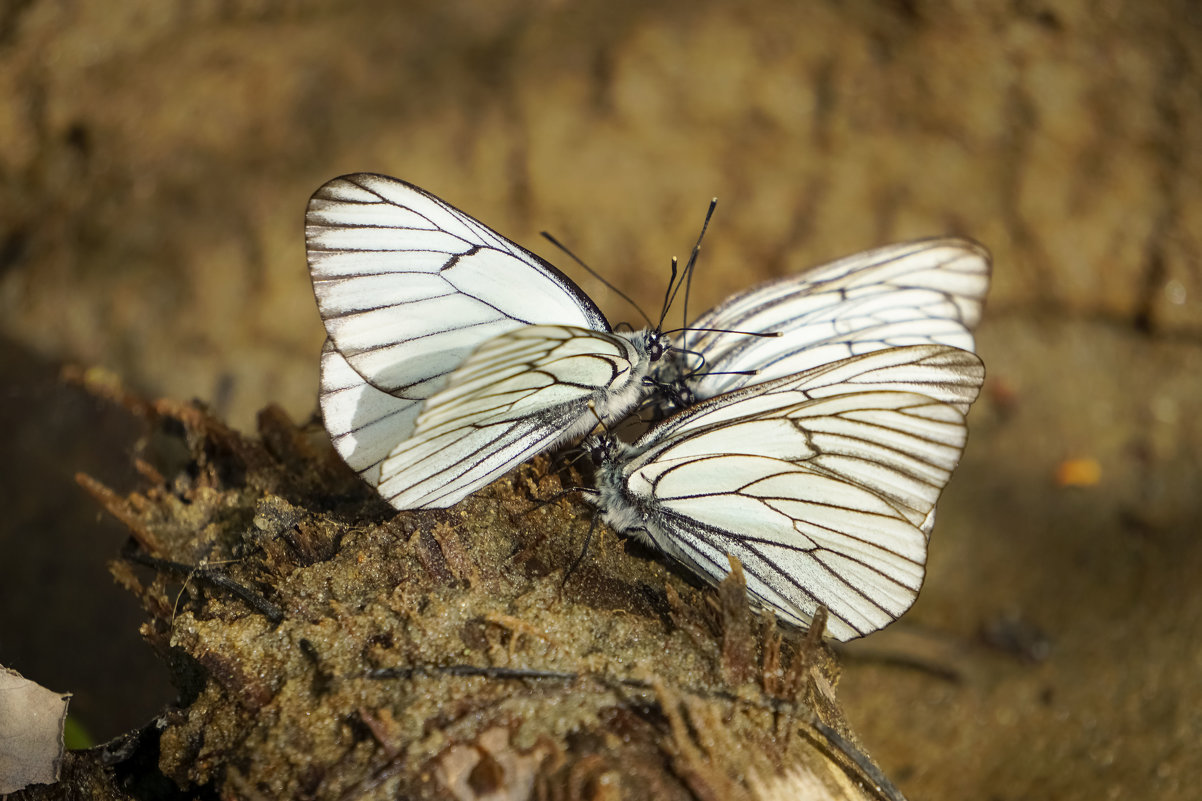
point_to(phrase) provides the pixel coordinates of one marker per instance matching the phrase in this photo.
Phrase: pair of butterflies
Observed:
(815, 455)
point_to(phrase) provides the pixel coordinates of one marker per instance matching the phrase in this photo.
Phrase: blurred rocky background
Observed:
(155, 161)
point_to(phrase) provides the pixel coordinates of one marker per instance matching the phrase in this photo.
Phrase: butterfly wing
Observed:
(928, 291)
(407, 286)
(514, 396)
(820, 485)
(364, 423)
(943, 373)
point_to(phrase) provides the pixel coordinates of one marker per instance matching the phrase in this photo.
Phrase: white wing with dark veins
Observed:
(517, 395)
(820, 483)
(364, 423)
(929, 291)
(407, 287)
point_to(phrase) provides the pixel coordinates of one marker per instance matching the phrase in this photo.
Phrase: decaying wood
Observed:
(328, 647)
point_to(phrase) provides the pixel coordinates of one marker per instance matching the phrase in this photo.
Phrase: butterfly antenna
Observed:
(688, 290)
(690, 352)
(687, 278)
(597, 275)
(701, 356)
(759, 334)
(669, 293)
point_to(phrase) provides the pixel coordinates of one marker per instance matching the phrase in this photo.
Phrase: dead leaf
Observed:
(31, 732)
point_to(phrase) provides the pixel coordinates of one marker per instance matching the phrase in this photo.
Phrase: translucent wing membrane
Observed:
(819, 483)
(928, 291)
(364, 423)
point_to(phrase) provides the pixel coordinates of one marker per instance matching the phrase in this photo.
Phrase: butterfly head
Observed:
(677, 395)
(601, 449)
(656, 344)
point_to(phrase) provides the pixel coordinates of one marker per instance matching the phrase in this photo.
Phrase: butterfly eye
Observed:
(657, 345)
(599, 456)
(682, 396)
(597, 449)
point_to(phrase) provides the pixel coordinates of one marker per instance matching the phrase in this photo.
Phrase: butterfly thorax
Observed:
(620, 510)
(633, 380)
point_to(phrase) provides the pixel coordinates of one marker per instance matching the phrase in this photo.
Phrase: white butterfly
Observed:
(408, 287)
(820, 483)
(928, 291)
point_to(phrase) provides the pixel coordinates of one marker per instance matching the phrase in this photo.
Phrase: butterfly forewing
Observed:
(923, 292)
(407, 285)
(531, 365)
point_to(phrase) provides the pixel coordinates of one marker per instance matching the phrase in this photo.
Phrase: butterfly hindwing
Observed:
(364, 423)
(516, 395)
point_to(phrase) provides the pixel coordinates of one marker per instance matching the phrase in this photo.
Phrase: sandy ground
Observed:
(155, 163)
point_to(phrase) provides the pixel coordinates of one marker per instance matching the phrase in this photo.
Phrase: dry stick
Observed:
(215, 577)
